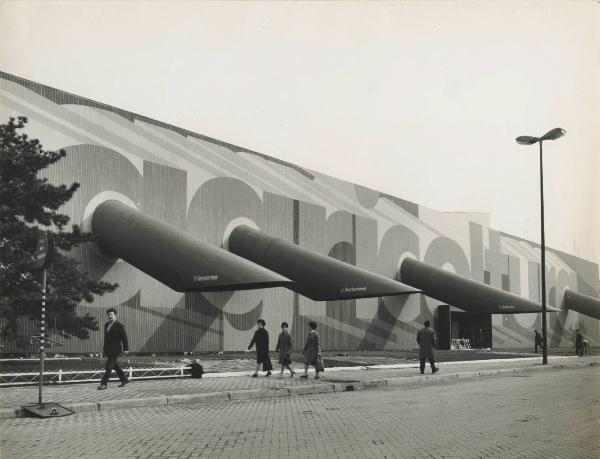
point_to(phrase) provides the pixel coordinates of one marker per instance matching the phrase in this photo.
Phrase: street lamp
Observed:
(529, 140)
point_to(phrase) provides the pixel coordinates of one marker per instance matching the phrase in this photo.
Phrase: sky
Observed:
(421, 100)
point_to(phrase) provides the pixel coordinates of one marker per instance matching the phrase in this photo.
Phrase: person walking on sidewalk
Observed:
(312, 351)
(587, 347)
(115, 342)
(426, 340)
(579, 343)
(261, 339)
(285, 342)
(539, 342)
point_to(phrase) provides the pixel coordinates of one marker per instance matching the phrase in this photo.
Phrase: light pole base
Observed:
(47, 410)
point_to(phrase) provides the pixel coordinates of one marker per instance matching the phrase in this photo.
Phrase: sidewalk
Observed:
(239, 385)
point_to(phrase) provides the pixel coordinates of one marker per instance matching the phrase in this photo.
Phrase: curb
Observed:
(131, 403)
(316, 388)
(197, 398)
(7, 413)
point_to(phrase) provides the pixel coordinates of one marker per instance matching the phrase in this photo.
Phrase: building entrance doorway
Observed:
(471, 330)
(457, 329)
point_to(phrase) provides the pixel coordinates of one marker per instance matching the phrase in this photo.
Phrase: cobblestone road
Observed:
(551, 414)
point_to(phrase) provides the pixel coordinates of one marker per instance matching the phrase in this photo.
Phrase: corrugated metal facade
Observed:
(207, 187)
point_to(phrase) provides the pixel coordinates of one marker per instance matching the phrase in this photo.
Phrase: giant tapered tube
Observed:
(583, 304)
(173, 256)
(316, 276)
(464, 293)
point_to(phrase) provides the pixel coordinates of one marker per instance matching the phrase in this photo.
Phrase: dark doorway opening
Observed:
(457, 329)
(441, 326)
(472, 330)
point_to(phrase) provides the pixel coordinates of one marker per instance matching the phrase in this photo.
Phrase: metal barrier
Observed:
(66, 377)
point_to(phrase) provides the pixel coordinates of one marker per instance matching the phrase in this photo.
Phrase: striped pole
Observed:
(42, 334)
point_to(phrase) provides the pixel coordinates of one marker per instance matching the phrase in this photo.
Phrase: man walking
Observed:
(426, 340)
(539, 342)
(578, 343)
(114, 336)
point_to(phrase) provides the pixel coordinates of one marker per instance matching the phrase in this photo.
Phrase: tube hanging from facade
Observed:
(316, 276)
(173, 256)
(583, 304)
(463, 293)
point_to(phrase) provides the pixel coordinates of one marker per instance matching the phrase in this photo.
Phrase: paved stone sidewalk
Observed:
(551, 414)
(239, 385)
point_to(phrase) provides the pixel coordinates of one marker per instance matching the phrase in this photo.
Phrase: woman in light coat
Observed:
(312, 350)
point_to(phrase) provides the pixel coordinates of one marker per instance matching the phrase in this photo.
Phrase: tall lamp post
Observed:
(529, 140)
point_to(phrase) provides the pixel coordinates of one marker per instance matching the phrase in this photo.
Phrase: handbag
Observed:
(319, 364)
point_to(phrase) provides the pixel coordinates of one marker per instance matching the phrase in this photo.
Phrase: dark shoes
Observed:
(304, 376)
(255, 375)
(433, 370)
(103, 386)
(317, 376)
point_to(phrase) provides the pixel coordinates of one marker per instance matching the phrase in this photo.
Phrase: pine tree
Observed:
(29, 207)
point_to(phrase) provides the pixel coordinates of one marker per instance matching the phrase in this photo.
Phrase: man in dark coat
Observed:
(539, 342)
(261, 339)
(579, 343)
(426, 340)
(115, 342)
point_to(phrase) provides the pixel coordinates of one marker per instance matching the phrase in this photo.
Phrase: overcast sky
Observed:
(422, 100)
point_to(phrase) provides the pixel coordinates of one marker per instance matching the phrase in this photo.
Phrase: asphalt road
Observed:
(550, 414)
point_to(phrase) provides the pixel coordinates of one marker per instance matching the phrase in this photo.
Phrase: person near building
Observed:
(579, 343)
(115, 342)
(427, 343)
(285, 342)
(261, 340)
(539, 342)
(587, 347)
(312, 351)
